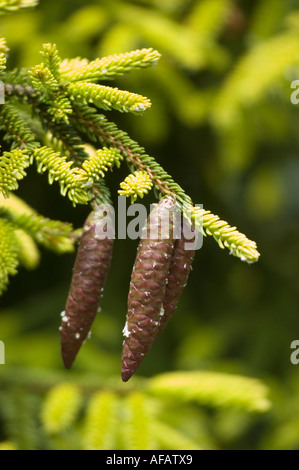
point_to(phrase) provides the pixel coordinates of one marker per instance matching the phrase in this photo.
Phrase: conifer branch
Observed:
(73, 181)
(16, 128)
(54, 235)
(135, 185)
(108, 97)
(3, 54)
(100, 193)
(63, 137)
(44, 82)
(12, 165)
(77, 183)
(60, 93)
(101, 161)
(108, 67)
(2, 62)
(45, 79)
(19, 90)
(52, 60)
(95, 165)
(97, 127)
(8, 253)
(28, 253)
(18, 82)
(226, 236)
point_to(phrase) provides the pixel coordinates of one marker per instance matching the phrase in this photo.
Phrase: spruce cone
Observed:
(147, 288)
(87, 285)
(179, 269)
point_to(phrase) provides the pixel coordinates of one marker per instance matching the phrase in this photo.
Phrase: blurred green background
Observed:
(222, 124)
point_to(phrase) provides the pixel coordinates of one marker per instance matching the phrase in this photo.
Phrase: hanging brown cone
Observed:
(147, 287)
(88, 280)
(178, 274)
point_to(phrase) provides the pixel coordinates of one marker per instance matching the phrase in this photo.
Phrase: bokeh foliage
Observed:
(223, 125)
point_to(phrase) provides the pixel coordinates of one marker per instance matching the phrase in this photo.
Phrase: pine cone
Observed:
(87, 285)
(147, 288)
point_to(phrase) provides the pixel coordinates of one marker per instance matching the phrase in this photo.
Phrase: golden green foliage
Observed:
(213, 389)
(135, 420)
(101, 161)
(22, 229)
(223, 85)
(8, 253)
(101, 421)
(60, 408)
(28, 253)
(108, 98)
(12, 165)
(108, 67)
(260, 71)
(137, 432)
(66, 109)
(136, 185)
